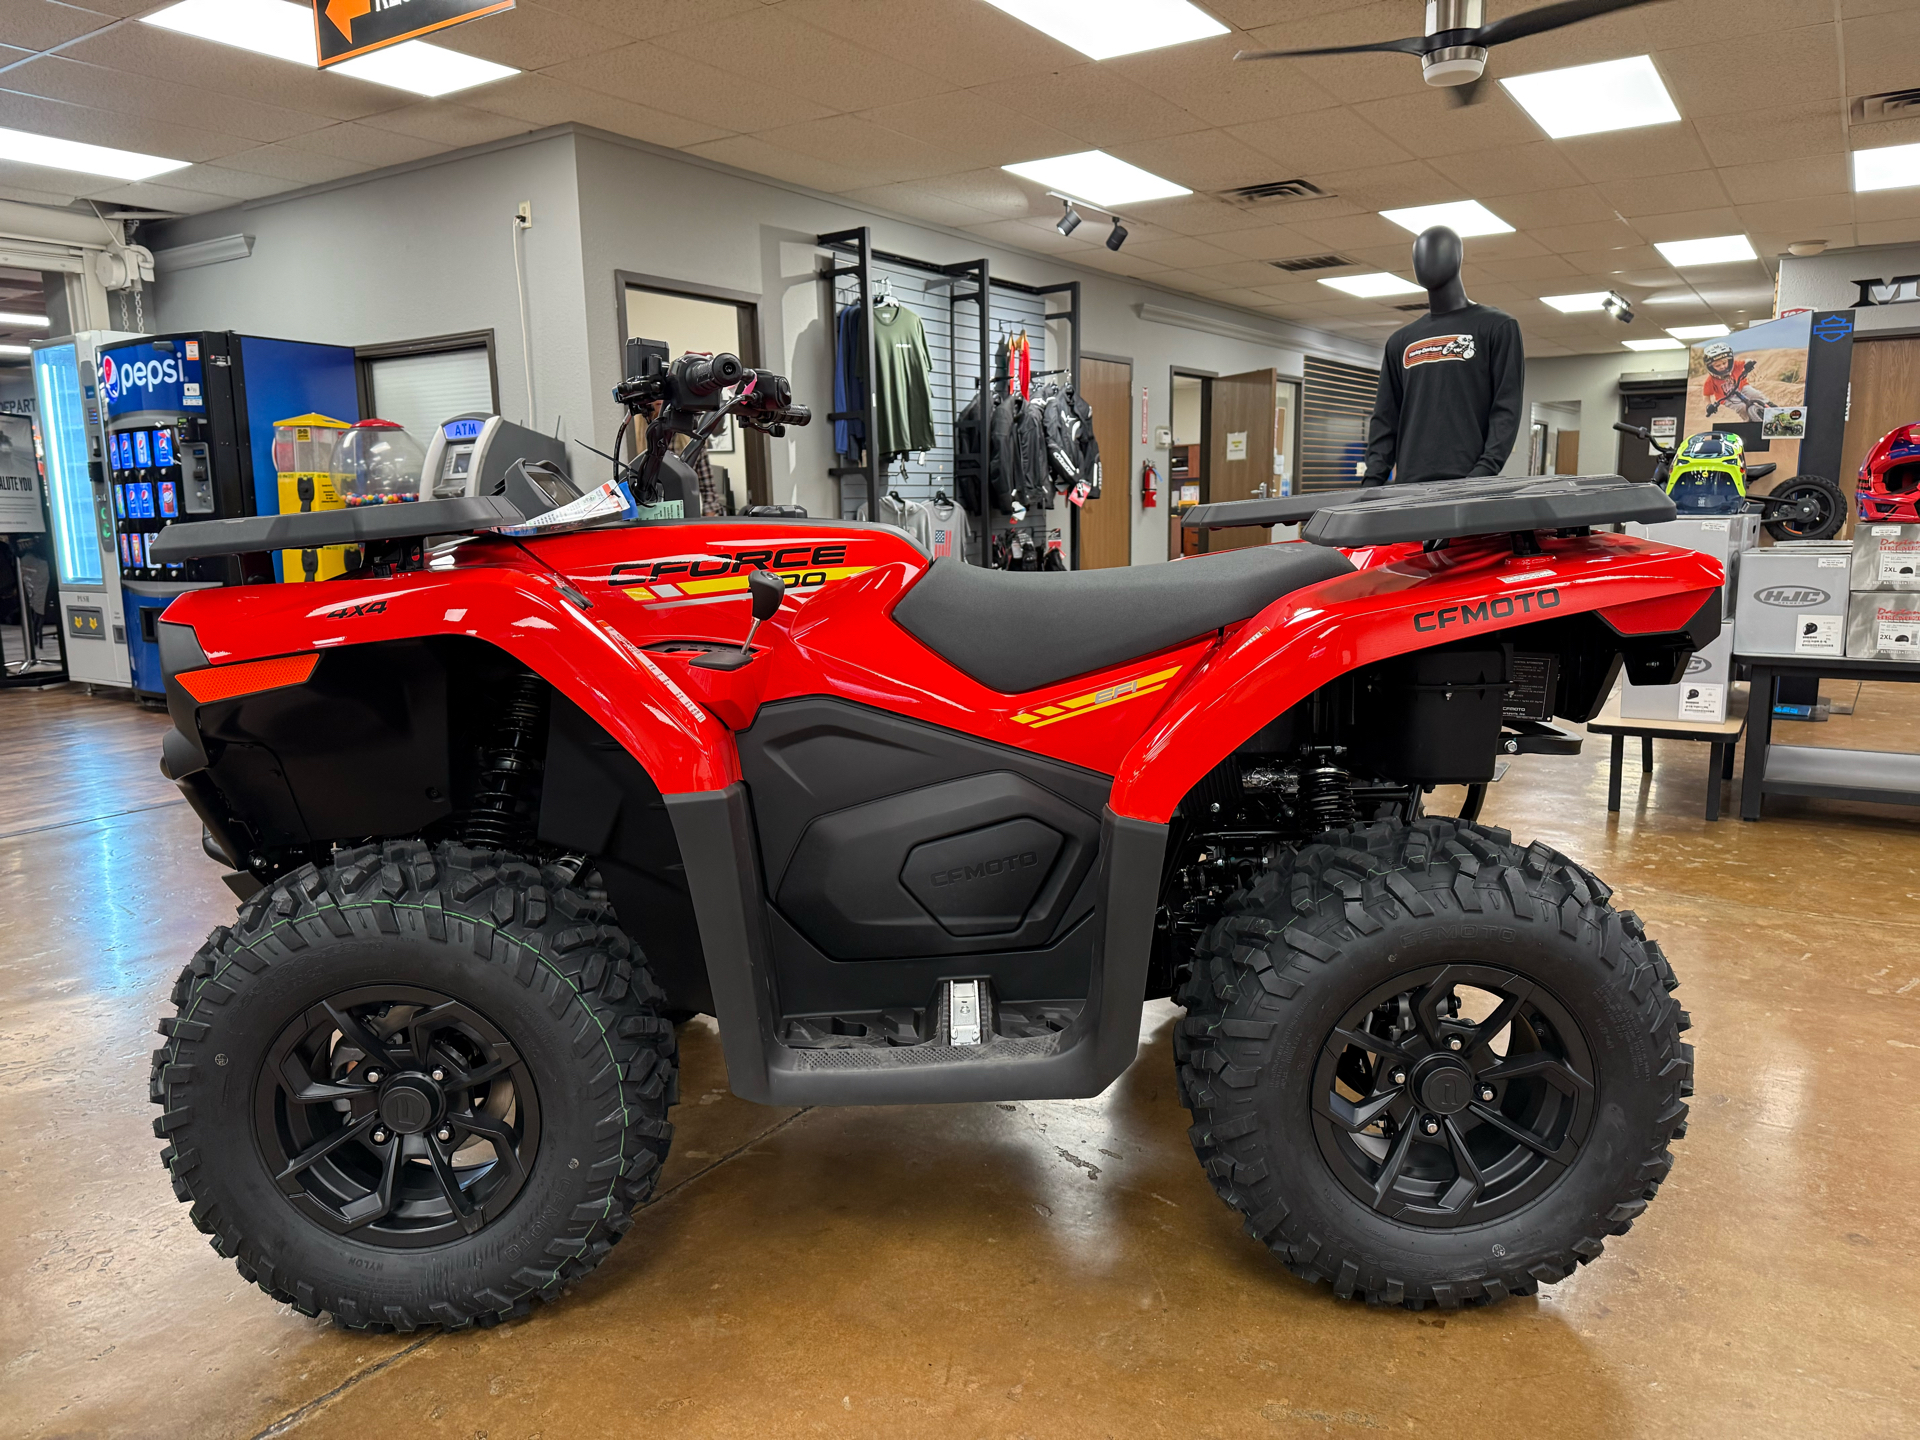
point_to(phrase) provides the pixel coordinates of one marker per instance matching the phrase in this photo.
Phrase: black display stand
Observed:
(1882, 777)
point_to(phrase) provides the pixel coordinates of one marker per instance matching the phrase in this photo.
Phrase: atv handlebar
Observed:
(1645, 434)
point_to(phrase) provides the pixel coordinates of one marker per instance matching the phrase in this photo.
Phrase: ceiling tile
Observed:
(1874, 135)
(452, 125)
(1265, 242)
(1616, 261)
(1567, 206)
(749, 152)
(1387, 187)
(650, 20)
(974, 44)
(1242, 272)
(531, 37)
(992, 191)
(684, 86)
(1801, 64)
(542, 100)
(1206, 160)
(1587, 235)
(769, 46)
(1103, 107)
(1880, 50)
(1355, 78)
(224, 181)
(1689, 224)
(1504, 248)
(1205, 79)
(920, 204)
(871, 151)
(1514, 169)
(152, 195)
(39, 25)
(225, 70)
(966, 123)
(1205, 215)
(1321, 141)
(1766, 180)
(106, 127)
(1811, 216)
(1887, 232)
(1884, 204)
(292, 167)
(1350, 230)
(1631, 154)
(55, 77)
(1777, 133)
(1431, 122)
(1527, 268)
(1183, 252)
(371, 148)
(29, 194)
(1664, 194)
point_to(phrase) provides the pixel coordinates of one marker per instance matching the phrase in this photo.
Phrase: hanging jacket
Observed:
(1029, 472)
(850, 382)
(1089, 448)
(1062, 426)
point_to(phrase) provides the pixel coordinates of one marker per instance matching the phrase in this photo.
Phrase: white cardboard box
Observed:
(1702, 694)
(1792, 599)
(1725, 537)
(1884, 625)
(1886, 558)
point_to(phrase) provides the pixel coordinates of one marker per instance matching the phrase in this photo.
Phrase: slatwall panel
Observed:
(955, 352)
(1339, 400)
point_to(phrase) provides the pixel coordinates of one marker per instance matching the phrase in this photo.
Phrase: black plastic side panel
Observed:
(598, 800)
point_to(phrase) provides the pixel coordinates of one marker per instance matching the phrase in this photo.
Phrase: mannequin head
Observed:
(1437, 266)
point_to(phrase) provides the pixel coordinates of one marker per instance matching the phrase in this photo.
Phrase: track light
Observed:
(1070, 217)
(1616, 305)
(1117, 237)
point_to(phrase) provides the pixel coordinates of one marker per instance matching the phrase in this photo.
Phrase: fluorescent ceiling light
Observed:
(266, 27)
(285, 31)
(16, 350)
(1714, 250)
(86, 159)
(20, 320)
(1889, 168)
(1367, 287)
(1097, 177)
(1697, 332)
(1655, 344)
(1571, 304)
(1463, 217)
(424, 69)
(1588, 99)
(1102, 29)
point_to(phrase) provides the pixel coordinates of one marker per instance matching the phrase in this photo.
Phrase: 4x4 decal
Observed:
(683, 578)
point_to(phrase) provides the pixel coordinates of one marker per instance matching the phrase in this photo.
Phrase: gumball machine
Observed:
(378, 463)
(303, 459)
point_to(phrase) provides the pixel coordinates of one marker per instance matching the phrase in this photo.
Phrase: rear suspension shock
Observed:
(1327, 790)
(510, 760)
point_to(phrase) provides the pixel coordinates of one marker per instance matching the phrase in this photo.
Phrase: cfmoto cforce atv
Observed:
(501, 810)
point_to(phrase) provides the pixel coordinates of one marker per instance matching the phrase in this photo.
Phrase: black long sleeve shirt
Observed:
(1449, 400)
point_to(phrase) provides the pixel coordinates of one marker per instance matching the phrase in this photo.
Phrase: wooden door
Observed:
(1567, 452)
(1240, 449)
(1107, 525)
(1882, 383)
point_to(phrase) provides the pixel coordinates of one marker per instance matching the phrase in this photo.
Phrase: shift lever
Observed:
(766, 590)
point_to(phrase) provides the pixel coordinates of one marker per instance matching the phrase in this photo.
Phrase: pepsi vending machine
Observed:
(189, 421)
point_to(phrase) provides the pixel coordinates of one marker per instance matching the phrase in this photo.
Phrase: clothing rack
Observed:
(998, 306)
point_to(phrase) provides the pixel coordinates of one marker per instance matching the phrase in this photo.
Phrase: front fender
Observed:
(521, 609)
(1310, 637)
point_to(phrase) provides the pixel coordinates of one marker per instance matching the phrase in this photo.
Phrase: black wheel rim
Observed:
(396, 1116)
(1823, 504)
(1453, 1096)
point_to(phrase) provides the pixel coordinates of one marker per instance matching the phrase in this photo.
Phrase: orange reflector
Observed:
(222, 682)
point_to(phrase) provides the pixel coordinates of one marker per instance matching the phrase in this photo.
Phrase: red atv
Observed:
(1886, 488)
(501, 811)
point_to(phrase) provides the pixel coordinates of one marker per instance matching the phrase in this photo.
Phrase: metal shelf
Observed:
(1879, 777)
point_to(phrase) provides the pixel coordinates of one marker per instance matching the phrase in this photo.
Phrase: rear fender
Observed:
(1313, 636)
(522, 610)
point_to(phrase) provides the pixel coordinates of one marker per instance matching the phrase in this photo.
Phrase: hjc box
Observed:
(1725, 537)
(1886, 557)
(1884, 625)
(1701, 696)
(1792, 600)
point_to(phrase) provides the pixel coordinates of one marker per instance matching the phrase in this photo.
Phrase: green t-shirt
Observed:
(904, 405)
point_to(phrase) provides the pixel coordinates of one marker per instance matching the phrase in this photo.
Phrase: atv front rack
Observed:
(1444, 509)
(372, 527)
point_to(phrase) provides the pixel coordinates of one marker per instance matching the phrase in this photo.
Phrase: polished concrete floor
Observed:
(1055, 1269)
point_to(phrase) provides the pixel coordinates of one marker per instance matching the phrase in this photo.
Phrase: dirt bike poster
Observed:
(1753, 382)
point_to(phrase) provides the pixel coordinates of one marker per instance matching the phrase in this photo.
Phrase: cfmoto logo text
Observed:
(1791, 597)
(1000, 865)
(1498, 608)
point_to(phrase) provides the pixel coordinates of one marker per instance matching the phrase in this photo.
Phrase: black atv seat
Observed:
(1016, 631)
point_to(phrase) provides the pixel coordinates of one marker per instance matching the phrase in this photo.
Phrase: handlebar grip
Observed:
(715, 372)
(1627, 429)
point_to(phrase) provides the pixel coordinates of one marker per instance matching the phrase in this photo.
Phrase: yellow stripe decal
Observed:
(731, 584)
(1087, 704)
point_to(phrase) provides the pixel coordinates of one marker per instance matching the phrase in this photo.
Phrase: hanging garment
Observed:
(1031, 485)
(1089, 448)
(904, 401)
(1062, 427)
(1020, 366)
(951, 533)
(850, 383)
(1003, 466)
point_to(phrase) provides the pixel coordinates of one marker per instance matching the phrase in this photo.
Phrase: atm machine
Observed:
(189, 424)
(471, 455)
(73, 445)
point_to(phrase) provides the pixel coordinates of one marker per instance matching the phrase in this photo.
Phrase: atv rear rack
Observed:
(372, 527)
(1444, 509)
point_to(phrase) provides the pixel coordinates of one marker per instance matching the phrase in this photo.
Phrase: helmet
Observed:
(1719, 355)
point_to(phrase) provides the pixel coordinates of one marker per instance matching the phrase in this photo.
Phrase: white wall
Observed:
(1594, 382)
(1826, 281)
(426, 249)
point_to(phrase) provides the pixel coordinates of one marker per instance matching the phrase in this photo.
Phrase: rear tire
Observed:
(1590, 1064)
(524, 1031)
(1831, 508)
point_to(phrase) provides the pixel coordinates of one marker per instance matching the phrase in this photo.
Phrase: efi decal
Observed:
(145, 377)
(1834, 327)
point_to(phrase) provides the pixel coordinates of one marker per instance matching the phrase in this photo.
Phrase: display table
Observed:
(1883, 777)
(1718, 736)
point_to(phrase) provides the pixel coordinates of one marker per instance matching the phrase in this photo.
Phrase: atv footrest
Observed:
(932, 1030)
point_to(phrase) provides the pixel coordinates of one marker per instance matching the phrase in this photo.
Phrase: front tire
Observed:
(1429, 1066)
(415, 1086)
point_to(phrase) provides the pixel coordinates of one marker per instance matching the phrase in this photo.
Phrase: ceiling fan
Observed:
(1454, 50)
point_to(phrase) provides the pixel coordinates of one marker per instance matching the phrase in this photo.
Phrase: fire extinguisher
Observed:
(1150, 485)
